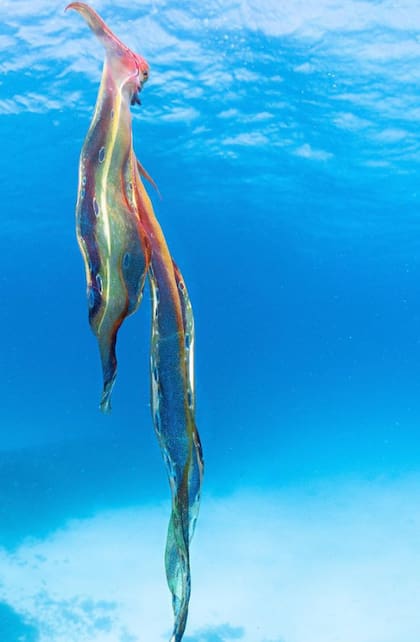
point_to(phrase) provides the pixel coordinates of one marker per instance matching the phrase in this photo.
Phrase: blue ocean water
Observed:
(283, 137)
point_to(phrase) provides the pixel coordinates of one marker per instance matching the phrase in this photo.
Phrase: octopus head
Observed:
(128, 69)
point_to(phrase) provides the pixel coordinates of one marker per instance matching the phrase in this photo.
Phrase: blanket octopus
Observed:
(122, 245)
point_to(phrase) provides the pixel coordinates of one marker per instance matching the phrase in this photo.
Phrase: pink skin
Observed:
(125, 63)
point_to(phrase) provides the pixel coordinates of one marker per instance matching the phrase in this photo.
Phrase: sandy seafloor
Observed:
(283, 137)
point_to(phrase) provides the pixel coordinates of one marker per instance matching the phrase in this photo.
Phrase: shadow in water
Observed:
(14, 628)
(43, 488)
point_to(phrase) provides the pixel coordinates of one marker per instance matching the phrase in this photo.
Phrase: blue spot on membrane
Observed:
(187, 341)
(169, 466)
(90, 297)
(101, 155)
(82, 193)
(158, 423)
(155, 374)
(95, 206)
(189, 399)
(126, 260)
(84, 179)
(99, 283)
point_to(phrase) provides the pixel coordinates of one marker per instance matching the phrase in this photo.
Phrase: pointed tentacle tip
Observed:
(105, 403)
(76, 6)
(87, 13)
(92, 18)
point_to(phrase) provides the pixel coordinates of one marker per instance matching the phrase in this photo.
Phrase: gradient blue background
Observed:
(284, 141)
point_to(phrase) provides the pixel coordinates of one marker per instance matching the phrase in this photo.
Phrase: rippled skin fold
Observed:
(122, 242)
(109, 229)
(173, 406)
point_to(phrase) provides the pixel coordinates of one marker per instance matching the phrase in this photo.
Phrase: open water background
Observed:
(283, 137)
